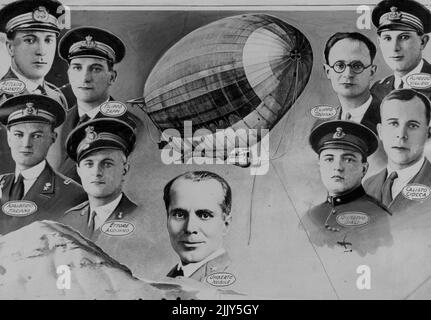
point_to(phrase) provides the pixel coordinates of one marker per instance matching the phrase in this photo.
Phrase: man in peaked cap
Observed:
(346, 219)
(31, 29)
(101, 149)
(91, 54)
(30, 121)
(402, 27)
(404, 131)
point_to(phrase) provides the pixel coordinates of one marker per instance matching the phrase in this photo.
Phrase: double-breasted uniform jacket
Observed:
(53, 156)
(374, 185)
(220, 263)
(52, 193)
(354, 222)
(381, 88)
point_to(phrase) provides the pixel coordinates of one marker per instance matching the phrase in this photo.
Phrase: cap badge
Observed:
(40, 14)
(29, 109)
(339, 133)
(90, 133)
(47, 186)
(394, 14)
(89, 42)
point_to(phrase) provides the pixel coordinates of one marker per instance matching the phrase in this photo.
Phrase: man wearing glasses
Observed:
(349, 65)
(402, 27)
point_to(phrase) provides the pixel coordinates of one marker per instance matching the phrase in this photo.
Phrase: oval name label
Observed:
(419, 81)
(19, 208)
(416, 191)
(352, 219)
(113, 108)
(221, 279)
(323, 112)
(117, 228)
(12, 86)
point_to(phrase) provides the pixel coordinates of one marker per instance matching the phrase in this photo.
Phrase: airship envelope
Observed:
(232, 80)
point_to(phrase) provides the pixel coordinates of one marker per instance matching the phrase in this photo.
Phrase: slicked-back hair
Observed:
(353, 36)
(407, 95)
(197, 176)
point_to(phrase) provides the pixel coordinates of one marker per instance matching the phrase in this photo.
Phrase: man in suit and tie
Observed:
(402, 27)
(404, 130)
(198, 206)
(31, 29)
(34, 191)
(349, 65)
(91, 54)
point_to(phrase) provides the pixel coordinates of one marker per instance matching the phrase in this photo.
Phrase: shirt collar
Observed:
(347, 197)
(33, 172)
(417, 69)
(103, 212)
(30, 85)
(92, 113)
(191, 268)
(359, 112)
(407, 173)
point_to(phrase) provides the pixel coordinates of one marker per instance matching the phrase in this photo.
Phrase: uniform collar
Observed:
(30, 85)
(33, 172)
(92, 113)
(191, 268)
(417, 69)
(346, 198)
(103, 212)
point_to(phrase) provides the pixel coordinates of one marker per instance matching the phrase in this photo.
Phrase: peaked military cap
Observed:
(340, 134)
(91, 42)
(406, 15)
(31, 108)
(98, 134)
(39, 15)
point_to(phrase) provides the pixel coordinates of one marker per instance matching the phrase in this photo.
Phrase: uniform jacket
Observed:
(374, 185)
(51, 192)
(358, 221)
(218, 264)
(381, 88)
(53, 156)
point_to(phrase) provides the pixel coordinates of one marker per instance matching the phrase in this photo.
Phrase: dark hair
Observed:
(350, 35)
(407, 95)
(198, 176)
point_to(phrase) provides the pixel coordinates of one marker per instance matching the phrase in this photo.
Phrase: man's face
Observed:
(29, 143)
(102, 173)
(404, 131)
(341, 170)
(402, 50)
(32, 52)
(349, 84)
(196, 223)
(90, 79)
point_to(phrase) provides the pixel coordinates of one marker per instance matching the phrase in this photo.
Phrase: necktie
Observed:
(387, 188)
(401, 84)
(178, 273)
(83, 118)
(17, 190)
(41, 89)
(348, 116)
(91, 221)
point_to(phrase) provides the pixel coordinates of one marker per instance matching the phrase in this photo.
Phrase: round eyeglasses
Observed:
(356, 66)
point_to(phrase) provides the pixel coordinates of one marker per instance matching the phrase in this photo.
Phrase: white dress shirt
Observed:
(92, 113)
(30, 175)
(30, 85)
(397, 81)
(357, 113)
(191, 268)
(103, 212)
(404, 176)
